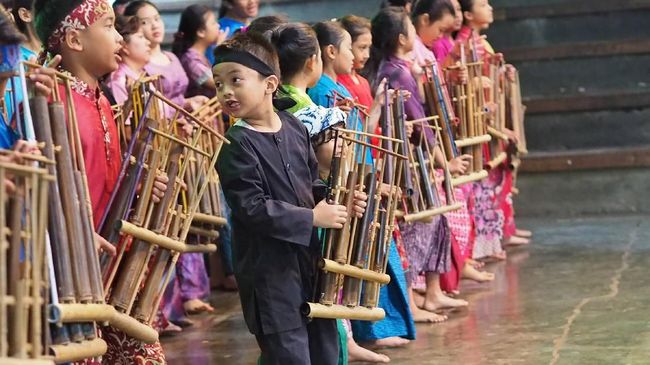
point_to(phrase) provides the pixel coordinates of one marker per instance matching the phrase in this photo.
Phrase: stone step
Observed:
(545, 31)
(585, 76)
(587, 159)
(609, 100)
(521, 9)
(575, 193)
(577, 50)
(555, 132)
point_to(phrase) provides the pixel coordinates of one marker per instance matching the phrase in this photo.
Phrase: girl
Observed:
(166, 64)
(357, 85)
(197, 30)
(234, 15)
(427, 244)
(442, 48)
(432, 18)
(135, 54)
(493, 209)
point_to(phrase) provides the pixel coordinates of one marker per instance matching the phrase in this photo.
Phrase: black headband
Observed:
(227, 54)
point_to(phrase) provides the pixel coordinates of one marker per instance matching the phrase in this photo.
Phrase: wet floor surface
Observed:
(578, 295)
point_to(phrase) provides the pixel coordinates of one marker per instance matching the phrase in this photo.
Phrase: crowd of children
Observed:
(285, 87)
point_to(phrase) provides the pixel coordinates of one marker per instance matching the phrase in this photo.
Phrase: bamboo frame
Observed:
(427, 214)
(79, 351)
(315, 310)
(475, 176)
(353, 271)
(471, 141)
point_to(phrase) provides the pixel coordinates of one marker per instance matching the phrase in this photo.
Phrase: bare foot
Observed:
(501, 256)
(418, 298)
(183, 322)
(469, 272)
(387, 342)
(425, 316)
(517, 241)
(524, 233)
(357, 353)
(477, 264)
(442, 301)
(171, 329)
(196, 306)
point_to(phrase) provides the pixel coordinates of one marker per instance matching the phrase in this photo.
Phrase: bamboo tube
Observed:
(501, 158)
(424, 215)
(8, 361)
(475, 176)
(315, 310)
(79, 351)
(378, 136)
(202, 248)
(208, 233)
(134, 328)
(353, 271)
(421, 120)
(150, 237)
(460, 143)
(372, 146)
(71, 313)
(209, 219)
(497, 133)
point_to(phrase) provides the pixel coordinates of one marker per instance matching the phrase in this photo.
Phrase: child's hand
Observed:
(511, 73)
(329, 215)
(459, 164)
(512, 136)
(462, 73)
(103, 245)
(43, 77)
(360, 199)
(196, 102)
(159, 187)
(223, 35)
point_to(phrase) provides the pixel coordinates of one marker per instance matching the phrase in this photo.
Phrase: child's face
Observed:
(153, 26)
(138, 48)
(344, 58)
(102, 43)
(434, 30)
(481, 14)
(361, 50)
(210, 33)
(408, 40)
(325, 152)
(458, 19)
(241, 90)
(245, 8)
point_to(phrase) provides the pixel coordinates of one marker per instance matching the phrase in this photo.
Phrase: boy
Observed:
(270, 179)
(83, 33)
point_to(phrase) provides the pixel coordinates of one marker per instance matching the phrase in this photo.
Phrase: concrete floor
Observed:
(578, 295)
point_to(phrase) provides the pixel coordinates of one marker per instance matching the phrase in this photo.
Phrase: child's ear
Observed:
(272, 83)
(401, 41)
(310, 63)
(201, 33)
(330, 52)
(468, 16)
(423, 20)
(73, 40)
(25, 15)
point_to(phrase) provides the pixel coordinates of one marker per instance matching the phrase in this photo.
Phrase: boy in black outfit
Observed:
(270, 179)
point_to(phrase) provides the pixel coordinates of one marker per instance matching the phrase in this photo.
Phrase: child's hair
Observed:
(295, 43)
(48, 15)
(435, 8)
(355, 25)
(9, 35)
(15, 6)
(386, 29)
(265, 23)
(226, 6)
(257, 45)
(127, 26)
(192, 21)
(135, 6)
(400, 3)
(466, 5)
(329, 33)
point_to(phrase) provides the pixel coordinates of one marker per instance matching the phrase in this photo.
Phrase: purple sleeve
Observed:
(197, 70)
(117, 84)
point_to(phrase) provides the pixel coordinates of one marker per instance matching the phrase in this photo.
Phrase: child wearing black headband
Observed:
(269, 175)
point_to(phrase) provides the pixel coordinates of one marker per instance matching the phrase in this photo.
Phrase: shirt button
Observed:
(288, 166)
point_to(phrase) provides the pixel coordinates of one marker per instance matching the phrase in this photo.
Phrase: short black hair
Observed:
(14, 6)
(127, 26)
(135, 6)
(436, 9)
(9, 35)
(48, 14)
(257, 45)
(355, 25)
(265, 23)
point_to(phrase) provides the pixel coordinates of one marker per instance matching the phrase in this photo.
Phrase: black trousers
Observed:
(316, 343)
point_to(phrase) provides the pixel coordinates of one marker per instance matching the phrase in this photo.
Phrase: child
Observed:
(83, 33)
(301, 67)
(234, 15)
(135, 54)
(357, 85)
(442, 48)
(21, 11)
(197, 31)
(174, 81)
(270, 179)
(432, 18)
(493, 209)
(427, 244)
(407, 5)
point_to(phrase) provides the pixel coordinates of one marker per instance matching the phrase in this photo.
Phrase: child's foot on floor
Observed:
(387, 342)
(170, 329)
(425, 316)
(516, 241)
(442, 301)
(469, 272)
(196, 306)
(524, 233)
(357, 353)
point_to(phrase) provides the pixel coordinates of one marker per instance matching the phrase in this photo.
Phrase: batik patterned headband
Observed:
(82, 17)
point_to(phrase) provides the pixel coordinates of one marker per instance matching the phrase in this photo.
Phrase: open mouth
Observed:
(232, 106)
